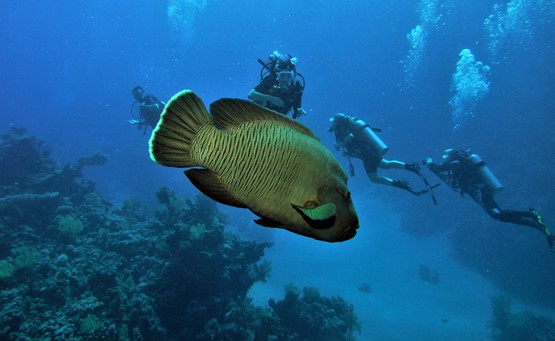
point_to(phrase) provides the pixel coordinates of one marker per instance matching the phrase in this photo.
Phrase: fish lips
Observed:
(325, 224)
(350, 231)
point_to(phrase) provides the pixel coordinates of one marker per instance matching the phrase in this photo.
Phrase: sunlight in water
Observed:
(182, 15)
(430, 16)
(514, 25)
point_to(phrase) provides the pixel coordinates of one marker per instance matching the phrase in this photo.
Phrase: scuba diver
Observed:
(357, 139)
(278, 90)
(466, 173)
(149, 110)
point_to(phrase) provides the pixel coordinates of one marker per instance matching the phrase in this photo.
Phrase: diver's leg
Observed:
(378, 179)
(536, 216)
(526, 218)
(395, 164)
(382, 180)
(507, 216)
(371, 167)
(531, 218)
(484, 197)
(388, 164)
(514, 217)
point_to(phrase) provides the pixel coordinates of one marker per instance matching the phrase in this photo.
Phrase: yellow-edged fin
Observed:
(209, 183)
(232, 112)
(182, 117)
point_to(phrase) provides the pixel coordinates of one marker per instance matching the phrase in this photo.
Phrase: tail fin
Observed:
(181, 119)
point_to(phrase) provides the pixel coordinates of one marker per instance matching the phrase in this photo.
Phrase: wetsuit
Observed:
(291, 95)
(358, 146)
(151, 108)
(463, 177)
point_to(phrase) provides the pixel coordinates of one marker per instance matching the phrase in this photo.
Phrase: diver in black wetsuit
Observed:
(466, 173)
(150, 109)
(278, 89)
(358, 140)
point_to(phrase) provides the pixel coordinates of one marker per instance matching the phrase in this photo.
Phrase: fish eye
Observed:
(310, 204)
(344, 193)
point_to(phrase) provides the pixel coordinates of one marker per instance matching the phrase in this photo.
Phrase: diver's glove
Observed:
(300, 112)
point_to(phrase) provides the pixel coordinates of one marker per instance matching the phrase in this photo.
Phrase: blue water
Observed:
(67, 69)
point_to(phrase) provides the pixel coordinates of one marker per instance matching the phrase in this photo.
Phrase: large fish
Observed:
(254, 158)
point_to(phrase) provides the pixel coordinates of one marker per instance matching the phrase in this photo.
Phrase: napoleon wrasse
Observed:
(250, 157)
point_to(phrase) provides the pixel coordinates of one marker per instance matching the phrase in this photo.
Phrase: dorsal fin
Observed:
(229, 113)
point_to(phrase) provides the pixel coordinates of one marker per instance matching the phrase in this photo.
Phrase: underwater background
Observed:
(99, 242)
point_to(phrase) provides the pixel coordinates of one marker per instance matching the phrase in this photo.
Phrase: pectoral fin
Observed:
(209, 184)
(267, 222)
(319, 217)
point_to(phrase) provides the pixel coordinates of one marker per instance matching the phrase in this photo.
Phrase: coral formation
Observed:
(74, 267)
(69, 226)
(311, 316)
(525, 325)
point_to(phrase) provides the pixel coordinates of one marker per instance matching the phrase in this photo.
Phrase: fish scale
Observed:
(231, 157)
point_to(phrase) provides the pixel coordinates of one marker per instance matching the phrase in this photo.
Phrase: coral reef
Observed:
(313, 317)
(74, 267)
(507, 326)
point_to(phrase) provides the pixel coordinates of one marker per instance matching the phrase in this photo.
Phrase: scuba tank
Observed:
(486, 175)
(377, 145)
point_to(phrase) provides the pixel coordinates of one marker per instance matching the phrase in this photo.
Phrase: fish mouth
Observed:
(350, 231)
(353, 227)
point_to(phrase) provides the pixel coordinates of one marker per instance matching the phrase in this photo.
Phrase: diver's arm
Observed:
(150, 110)
(298, 110)
(152, 103)
(151, 107)
(158, 105)
(434, 169)
(441, 170)
(343, 142)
